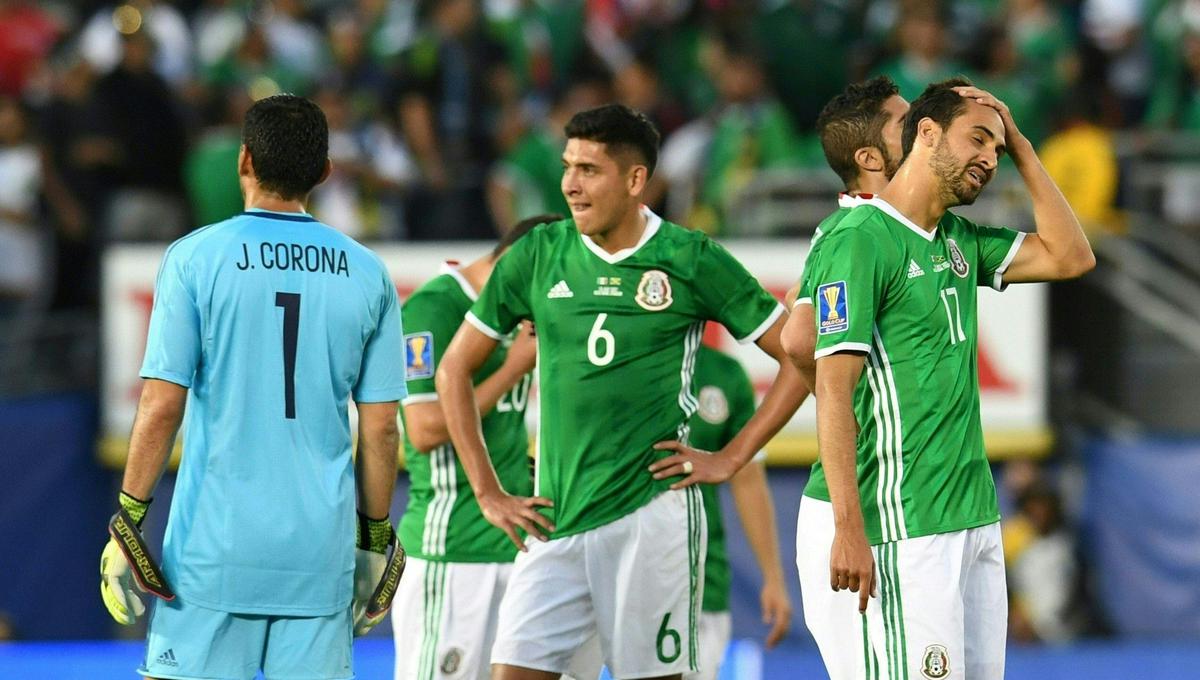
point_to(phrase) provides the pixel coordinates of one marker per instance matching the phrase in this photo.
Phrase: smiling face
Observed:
(600, 189)
(965, 157)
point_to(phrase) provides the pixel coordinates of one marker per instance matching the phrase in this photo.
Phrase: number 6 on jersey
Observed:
(597, 336)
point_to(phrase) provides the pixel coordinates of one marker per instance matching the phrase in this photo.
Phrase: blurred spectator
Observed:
(1175, 101)
(353, 69)
(253, 64)
(996, 64)
(1116, 54)
(293, 39)
(210, 170)
(24, 243)
(1044, 46)
(636, 85)
(27, 33)
(1081, 157)
(219, 27)
(543, 38)
(924, 55)
(101, 38)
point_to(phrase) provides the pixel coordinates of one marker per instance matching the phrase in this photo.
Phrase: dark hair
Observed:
(520, 229)
(940, 103)
(287, 138)
(852, 120)
(620, 129)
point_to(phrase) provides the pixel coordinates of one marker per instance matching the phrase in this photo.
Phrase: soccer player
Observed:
(915, 509)
(619, 298)
(265, 325)
(458, 563)
(860, 132)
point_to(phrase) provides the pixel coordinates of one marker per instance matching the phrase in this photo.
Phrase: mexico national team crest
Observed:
(935, 663)
(452, 661)
(958, 263)
(654, 291)
(714, 407)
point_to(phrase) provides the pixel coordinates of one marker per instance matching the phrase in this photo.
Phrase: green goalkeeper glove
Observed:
(376, 577)
(126, 565)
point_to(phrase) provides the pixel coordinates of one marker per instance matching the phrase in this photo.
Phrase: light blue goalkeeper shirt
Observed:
(273, 320)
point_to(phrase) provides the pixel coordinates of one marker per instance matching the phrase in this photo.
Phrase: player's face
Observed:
(599, 191)
(966, 156)
(896, 108)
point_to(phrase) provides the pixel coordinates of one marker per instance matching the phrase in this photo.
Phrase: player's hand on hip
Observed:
(776, 611)
(118, 587)
(852, 565)
(508, 513)
(694, 465)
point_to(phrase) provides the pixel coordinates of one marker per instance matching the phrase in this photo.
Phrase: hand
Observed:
(118, 587)
(776, 611)
(852, 565)
(1012, 135)
(694, 465)
(376, 577)
(507, 512)
(368, 572)
(522, 353)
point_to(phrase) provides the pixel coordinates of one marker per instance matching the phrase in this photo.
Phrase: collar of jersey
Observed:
(453, 271)
(846, 200)
(285, 216)
(653, 222)
(891, 211)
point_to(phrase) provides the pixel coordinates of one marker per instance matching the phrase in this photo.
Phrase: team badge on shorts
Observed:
(451, 661)
(714, 407)
(831, 308)
(958, 263)
(418, 353)
(935, 663)
(654, 291)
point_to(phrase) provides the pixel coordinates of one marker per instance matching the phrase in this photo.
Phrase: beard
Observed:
(954, 184)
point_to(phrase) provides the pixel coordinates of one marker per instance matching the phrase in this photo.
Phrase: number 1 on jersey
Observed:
(597, 335)
(291, 332)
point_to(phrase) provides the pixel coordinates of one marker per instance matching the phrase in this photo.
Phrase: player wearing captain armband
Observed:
(265, 326)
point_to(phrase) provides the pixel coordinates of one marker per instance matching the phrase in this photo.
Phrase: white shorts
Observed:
(444, 618)
(831, 616)
(634, 583)
(715, 631)
(942, 611)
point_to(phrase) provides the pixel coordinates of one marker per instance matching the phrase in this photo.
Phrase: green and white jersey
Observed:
(726, 403)
(907, 297)
(617, 340)
(442, 521)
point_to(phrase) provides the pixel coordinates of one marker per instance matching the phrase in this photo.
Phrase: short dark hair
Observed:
(520, 229)
(619, 128)
(940, 103)
(852, 120)
(287, 138)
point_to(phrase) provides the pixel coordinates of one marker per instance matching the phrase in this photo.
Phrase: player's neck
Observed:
(259, 199)
(870, 183)
(625, 234)
(476, 273)
(914, 193)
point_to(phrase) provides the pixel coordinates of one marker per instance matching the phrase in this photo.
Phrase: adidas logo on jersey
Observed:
(914, 269)
(560, 290)
(167, 658)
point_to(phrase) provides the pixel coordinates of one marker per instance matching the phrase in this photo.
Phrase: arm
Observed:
(851, 564)
(1059, 250)
(424, 421)
(466, 353)
(800, 342)
(757, 513)
(159, 414)
(375, 465)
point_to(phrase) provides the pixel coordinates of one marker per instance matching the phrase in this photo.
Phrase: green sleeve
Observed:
(848, 283)
(731, 295)
(505, 300)
(428, 329)
(997, 248)
(804, 295)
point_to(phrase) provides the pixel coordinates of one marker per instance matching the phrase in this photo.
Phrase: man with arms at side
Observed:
(272, 321)
(459, 564)
(860, 132)
(619, 298)
(895, 288)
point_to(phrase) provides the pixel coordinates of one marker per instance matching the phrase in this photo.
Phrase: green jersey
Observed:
(726, 402)
(907, 298)
(442, 521)
(617, 340)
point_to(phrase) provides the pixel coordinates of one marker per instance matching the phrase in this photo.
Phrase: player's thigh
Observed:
(446, 622)
(715, 630)
(916, 623)
(985, 605)
(546, 611)
(646, 574)
(310, 647)
(189, 641)
(830, 615)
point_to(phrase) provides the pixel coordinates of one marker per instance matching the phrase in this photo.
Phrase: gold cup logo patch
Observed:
(831, 297)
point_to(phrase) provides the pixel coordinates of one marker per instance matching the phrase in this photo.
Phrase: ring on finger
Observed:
(687, 467)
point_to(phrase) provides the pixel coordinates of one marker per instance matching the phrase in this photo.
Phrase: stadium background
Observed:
(118, 130)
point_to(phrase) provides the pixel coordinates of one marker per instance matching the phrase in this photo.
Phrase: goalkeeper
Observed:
(264, 325)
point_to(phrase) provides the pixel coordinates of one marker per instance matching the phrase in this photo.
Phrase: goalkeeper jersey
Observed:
(274, 321)
(907, 297)
(442, 521)
(617, 342)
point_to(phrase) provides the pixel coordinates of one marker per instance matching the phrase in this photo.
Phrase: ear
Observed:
(637, 178)
(328, 169)
(869, 158)
(245, 164)
(929, 133)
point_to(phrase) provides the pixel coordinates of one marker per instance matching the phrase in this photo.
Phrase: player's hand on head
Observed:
(522, 353)
(694, 465)
(852, 565)
(990, 100)
(776, 611)
(509, 513)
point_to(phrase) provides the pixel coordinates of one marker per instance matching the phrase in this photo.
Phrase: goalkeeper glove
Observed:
(376, 577)
(126, 565)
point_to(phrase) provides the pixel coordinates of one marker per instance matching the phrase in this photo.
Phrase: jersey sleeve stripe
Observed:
(762, 327)
(420, 398)
(802, 301)
(998, 279)
(843, 347)
(483, 327)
